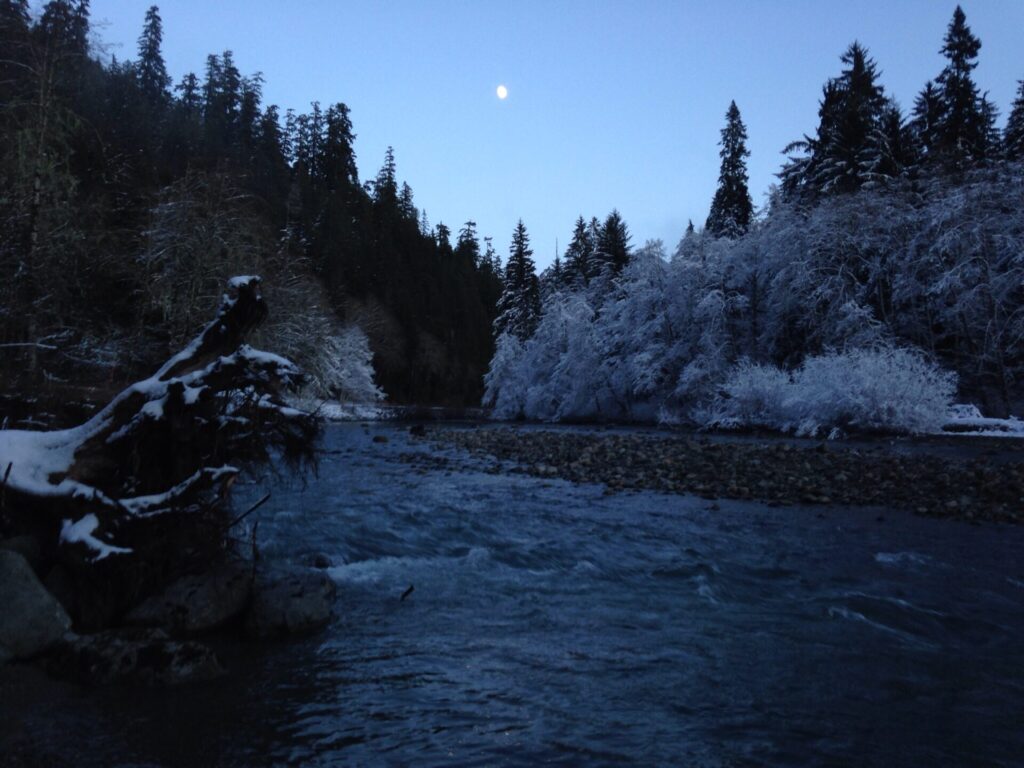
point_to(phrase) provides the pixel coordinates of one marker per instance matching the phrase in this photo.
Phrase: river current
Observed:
(555, 624)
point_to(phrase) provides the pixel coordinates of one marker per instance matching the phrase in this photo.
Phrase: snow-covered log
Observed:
(137, 493)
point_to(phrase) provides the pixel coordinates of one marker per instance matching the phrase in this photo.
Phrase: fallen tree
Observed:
(136, 495)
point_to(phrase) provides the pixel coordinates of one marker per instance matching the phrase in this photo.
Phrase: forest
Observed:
(883, 282)
(891, 252)
(126, 201)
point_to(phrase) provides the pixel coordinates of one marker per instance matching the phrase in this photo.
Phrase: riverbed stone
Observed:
(27, 547)
(31, 619)
(197, 604)
(142, 656)
(289, 601)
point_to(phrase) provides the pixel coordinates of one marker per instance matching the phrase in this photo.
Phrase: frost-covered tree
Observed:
(842, 156)
(519, 305)
(731, 208)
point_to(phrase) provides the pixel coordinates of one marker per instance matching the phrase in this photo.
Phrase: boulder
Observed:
(31, 619)
(27, 547)
(135, 656)
(196, 604)
(289, 601)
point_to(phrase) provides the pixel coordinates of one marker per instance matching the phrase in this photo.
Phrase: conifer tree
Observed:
(519, 305)
(467, 247)
(925, 123)
(577, 266)
(962, 130)
(612, 246)
(1013, 136)
(151, 70)
(892, 145)
(731, 208)
(842, 155)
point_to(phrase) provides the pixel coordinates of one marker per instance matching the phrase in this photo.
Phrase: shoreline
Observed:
(776, 471)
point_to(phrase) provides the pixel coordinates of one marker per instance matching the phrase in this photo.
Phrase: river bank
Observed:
(985, 482)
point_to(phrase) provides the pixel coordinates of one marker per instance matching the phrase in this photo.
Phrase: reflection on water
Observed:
(553, 624)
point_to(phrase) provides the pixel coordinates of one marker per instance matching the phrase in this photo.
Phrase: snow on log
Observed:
(149, 473)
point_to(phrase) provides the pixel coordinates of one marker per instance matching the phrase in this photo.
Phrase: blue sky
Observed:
(611, 104)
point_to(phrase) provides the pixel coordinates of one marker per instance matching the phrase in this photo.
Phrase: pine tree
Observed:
(731, 208)
(467, 247)
(612, 246)
(577, 267)
(1013, 135)
(151, 70)
(893, 152)
(519, 305)
(842, 155)
(962, 131)
(925, 123)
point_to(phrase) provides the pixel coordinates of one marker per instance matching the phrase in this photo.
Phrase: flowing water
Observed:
(553, 624)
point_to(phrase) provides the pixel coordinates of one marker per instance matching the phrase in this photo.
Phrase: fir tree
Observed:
(577, 268)
(962, 130)
(893, 152)
(519, 305)
(925, 124)
(612, 246)
(1013, 136)
(731, 208)
(151, 70)
(842, 155)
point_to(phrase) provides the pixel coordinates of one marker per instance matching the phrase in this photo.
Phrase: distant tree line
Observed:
(125, 200)
(890, 238)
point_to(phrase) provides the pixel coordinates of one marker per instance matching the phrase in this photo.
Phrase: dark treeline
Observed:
(125, 200)
(891, 237)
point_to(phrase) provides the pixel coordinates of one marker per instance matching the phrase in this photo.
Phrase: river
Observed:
(555, 624)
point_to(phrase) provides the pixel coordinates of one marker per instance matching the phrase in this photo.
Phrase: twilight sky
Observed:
(611, 104)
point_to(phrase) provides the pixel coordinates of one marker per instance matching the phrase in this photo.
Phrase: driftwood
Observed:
(136, 495)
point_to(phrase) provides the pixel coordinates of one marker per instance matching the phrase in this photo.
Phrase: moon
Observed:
(502, 92)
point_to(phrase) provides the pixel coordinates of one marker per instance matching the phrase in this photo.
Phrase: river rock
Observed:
(197, 604)
(27, 547)
(31, 619)
(289, 601)
(134, 655)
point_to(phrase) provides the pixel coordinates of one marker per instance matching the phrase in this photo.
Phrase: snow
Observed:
(34, 457)
(82, 533)
(967, 420)
(240, 280)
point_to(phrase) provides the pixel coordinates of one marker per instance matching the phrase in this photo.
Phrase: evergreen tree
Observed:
(519, 305)
(150, 69)
(577, 267)
(962, 131)
(925, 123)
(612, 246)
(892, 146)
(731, 208)
(467, 247)
(1013, 136)
(844, 152)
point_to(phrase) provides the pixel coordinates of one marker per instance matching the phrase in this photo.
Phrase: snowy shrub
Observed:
(752, 395)
(885, 388)
(504, 389)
